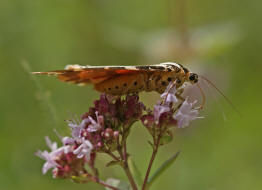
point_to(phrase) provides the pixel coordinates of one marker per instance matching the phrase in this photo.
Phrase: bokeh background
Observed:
(220, 39)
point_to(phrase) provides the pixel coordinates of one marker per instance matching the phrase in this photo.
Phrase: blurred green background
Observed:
(220, 39)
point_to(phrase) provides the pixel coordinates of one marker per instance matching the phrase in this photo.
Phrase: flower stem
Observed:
(155, 149)
(126, 168)
(129, 176)
(112, 155)
(94, 179)
(125, 164)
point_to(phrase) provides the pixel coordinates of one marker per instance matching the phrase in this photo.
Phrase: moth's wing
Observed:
(96, 74)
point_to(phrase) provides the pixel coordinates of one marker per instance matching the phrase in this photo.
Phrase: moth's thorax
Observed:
(159, 81)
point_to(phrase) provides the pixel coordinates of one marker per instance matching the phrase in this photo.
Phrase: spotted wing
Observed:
(95, 74)
(90, 74)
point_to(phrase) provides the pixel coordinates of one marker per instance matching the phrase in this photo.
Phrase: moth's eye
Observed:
(169, 79)
(193, 77)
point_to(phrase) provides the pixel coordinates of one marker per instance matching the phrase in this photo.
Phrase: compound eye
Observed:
(193, 77)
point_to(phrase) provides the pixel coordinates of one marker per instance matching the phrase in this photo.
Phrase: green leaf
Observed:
(122, 185)
(112, 163)
(166, 138)
(80, 179)
(134, 170)
(151, 144)
(162, 168)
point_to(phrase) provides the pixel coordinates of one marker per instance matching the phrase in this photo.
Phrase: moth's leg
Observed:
(180, 91)
(179, 106)
(178, 94)
(168, 91)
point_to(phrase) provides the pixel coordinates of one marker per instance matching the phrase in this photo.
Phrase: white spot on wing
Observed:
(74, 67)
(171, 63)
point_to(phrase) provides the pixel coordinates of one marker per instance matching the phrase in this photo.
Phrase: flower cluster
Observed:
(169, 113)
(105, 128)
(109, 120)
(64, 161)
(102, 129)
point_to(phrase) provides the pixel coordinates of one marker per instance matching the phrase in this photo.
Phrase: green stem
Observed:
(125, 163)
(92, 178)
(153, 156)
(129, 176)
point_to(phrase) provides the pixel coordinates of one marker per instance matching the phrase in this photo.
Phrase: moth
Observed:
(121, 80)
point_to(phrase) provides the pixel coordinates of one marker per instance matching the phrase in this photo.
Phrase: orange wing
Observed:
(91, 74)
(95, 74)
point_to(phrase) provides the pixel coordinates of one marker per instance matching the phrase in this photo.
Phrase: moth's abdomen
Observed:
(123, 84)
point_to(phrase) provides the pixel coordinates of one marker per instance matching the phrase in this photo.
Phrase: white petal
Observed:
(46, 167)
(52, 146)
(68, 140)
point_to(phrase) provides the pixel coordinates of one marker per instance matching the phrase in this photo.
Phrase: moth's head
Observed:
(192, 78)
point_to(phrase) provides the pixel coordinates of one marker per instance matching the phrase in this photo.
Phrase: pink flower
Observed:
(185, 114)
(75, 127)
(95, 125)
(52, 156)
(84, 149)
(148, 120)
(170, 94)
(67, 160)
(158, 111)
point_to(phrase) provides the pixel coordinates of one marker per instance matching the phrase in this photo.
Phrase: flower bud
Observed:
(116, 134)
(100, 144)
(108, 133)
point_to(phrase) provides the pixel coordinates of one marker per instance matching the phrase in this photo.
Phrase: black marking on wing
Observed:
(173, 67)
(132, 68)
(151, 67)
(165, 67)
(168, 66)
(140, 67)
(184, 69)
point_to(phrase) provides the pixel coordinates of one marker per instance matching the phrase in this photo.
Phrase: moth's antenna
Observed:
(215, 99)
(203, 96)
(221, 93)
